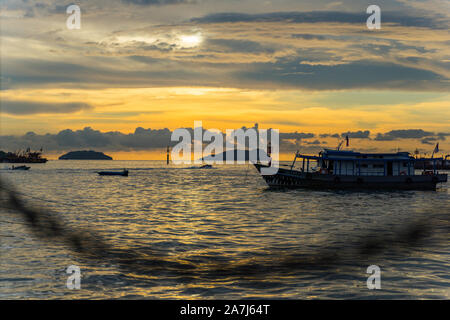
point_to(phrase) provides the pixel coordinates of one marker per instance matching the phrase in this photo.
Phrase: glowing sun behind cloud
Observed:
(191, 41)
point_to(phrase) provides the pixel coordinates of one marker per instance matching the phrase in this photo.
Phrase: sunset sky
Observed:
(306, 67)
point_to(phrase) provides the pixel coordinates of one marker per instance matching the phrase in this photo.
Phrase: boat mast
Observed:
(295, 158)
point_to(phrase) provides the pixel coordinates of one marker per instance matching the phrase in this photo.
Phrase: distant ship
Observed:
(22, 157)
(353, 170)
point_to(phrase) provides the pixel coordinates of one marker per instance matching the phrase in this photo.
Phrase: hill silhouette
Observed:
(85, 155)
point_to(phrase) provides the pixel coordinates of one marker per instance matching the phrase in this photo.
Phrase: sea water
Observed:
(219, 233)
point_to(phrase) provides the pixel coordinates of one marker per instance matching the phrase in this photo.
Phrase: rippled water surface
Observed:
(221, 234)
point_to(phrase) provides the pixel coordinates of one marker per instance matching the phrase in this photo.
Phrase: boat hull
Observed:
(23, 168)
(286, 178)
(110, 173)
(43, 160)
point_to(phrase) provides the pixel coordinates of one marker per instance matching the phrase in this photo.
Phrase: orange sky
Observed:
(302, 69)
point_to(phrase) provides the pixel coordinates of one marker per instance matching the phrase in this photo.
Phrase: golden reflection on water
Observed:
(216, 223)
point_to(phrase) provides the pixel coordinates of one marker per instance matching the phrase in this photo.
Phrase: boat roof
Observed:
(353, 153)
(349, 155)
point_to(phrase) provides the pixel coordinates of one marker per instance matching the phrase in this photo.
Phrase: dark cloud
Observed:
(141, 139)
(361, 74)
(57, 8)
(322, 16)
(292, 72)
(403, 134)
(34, 72)
(231, 45)
(429, 140)
(147, 139)
(306, 36)
(357, 134)
(329, 135)
(17, 107)
(392, 47)
(158, 2)
(315, 142)
(442, 135)
(296, 135)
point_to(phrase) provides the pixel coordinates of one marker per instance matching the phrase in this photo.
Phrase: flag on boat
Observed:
(436, 149)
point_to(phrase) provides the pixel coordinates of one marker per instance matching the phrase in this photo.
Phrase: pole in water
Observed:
(168, 159)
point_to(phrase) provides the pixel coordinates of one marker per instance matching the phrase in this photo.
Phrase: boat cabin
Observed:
(351, 163)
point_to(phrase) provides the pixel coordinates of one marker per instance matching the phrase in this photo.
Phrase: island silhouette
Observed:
(85, 155)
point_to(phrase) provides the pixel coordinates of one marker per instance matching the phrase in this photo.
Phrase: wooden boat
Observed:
(353, 170)
(123, 173)
(20, 168)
